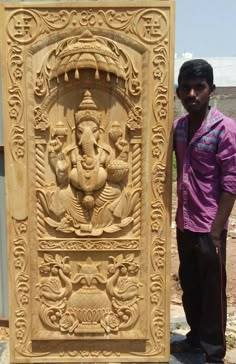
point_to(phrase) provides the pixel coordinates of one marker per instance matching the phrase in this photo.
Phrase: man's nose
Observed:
(192, 92)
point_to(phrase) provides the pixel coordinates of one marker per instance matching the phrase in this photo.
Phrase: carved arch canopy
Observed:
(87, 120)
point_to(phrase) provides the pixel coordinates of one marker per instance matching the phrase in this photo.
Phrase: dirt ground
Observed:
(231, 259)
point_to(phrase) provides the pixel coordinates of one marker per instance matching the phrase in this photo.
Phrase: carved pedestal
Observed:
(88, 99)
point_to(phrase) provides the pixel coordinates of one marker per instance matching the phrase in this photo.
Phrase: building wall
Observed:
(224, 69)
(223, 99)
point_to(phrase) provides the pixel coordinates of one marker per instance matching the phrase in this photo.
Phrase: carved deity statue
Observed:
(92, 194)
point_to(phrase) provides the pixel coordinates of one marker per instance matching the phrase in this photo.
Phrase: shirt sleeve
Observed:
(226, 157)
(173, 133)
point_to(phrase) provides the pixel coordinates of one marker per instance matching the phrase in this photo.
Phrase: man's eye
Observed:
(199, 88)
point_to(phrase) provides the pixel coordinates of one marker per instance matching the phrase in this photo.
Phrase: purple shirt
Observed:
(205, 167)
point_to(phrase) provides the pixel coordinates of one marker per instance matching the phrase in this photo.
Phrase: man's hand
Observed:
(216, 235)
(226, 204)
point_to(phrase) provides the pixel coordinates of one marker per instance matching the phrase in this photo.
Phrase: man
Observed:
(205, 148)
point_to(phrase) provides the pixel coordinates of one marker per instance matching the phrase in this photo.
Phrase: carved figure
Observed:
(92, 195)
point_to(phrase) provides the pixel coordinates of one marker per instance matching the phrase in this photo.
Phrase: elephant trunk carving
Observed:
(88, 142)
(89, 175)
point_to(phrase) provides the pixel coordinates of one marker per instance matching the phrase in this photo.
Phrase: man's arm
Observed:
(225, 207)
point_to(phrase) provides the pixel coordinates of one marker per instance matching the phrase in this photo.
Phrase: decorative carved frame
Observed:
(125, 22)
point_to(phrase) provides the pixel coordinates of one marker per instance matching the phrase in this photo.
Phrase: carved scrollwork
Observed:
(158, 142)
(157, 216)
(15, 103)
(22, 286)
(159, 62)
(41, 119)
(54, 21)
(160, 102)
(71, 349)
(156, 297)
(17, 142)
(159, 151)
(159, 179)
(134, 121)
(89, 301)
(17, 138)
(158, 260)
(149, 25)
(88, 244)
(155, 344)
(157, 332)
(23, 344)
(15, 63)
(159, 138)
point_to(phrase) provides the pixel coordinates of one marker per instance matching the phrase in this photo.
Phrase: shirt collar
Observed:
(214, 117)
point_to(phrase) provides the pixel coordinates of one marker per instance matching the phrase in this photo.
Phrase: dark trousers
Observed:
(202, 274)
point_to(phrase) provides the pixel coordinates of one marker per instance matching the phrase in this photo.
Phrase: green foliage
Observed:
(178, 326)
(174, 171)
(230, 341)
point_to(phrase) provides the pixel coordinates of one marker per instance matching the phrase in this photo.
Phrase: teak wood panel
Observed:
(88, 100)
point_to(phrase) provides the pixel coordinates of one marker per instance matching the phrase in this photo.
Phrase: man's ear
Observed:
(212, 89)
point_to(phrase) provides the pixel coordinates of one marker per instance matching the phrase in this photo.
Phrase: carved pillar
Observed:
(87, 119)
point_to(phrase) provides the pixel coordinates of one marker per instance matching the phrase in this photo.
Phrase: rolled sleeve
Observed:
(226, 157)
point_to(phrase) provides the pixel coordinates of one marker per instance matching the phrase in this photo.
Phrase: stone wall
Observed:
(223, 99)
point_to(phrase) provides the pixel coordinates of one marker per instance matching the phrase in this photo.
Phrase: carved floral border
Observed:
(120, 21)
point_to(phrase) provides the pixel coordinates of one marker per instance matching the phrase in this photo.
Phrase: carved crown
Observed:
(87, 110)
(86, 51)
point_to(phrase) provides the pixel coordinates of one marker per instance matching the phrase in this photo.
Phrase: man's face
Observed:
(194, 94)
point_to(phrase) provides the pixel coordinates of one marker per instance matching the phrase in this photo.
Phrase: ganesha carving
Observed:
(91, 195)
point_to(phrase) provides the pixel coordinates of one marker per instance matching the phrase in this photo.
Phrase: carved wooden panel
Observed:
(87, 118)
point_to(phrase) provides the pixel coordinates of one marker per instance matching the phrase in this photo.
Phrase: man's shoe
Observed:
(215, 361)
(184, 346)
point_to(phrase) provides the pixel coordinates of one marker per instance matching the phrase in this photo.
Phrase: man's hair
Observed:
(196, 68)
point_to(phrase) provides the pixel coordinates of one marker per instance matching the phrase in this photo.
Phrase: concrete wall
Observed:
(223, 99)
